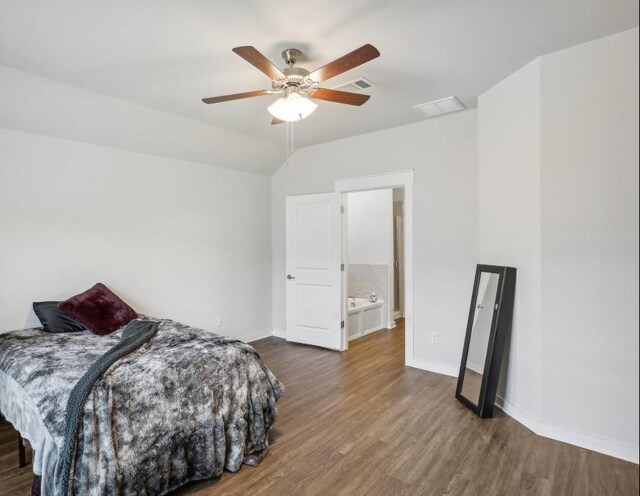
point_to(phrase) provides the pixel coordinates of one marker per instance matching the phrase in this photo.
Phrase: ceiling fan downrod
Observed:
(290, 56)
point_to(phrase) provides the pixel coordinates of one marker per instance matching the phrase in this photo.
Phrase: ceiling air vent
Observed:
(356, 86)
(441, 107)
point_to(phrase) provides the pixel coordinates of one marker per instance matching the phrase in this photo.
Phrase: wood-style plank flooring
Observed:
(13, 479)
(360, 423)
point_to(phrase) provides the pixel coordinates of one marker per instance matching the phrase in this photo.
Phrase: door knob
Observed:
(290, 277)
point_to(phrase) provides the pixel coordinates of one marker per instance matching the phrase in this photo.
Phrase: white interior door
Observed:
(313, 270)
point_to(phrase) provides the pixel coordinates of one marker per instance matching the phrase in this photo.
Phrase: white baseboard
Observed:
(437, 367)
(581, 439)
(373, 329)
(517, 413)
(279, 334)
(247, 338)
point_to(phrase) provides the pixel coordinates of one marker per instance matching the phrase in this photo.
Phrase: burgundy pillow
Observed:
(99, 310)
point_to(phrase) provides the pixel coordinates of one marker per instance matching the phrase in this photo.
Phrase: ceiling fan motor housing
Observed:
(296, 79)
(295, 73)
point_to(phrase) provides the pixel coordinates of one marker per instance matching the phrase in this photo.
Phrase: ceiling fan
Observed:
(297, 85)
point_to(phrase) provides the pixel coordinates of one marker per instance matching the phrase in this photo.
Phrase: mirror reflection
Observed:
(480, 332)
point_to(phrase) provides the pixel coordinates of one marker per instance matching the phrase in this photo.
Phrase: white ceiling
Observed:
(169, 54)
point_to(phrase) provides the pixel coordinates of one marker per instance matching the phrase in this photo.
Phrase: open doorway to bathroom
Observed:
(375, 260)
(404, 325)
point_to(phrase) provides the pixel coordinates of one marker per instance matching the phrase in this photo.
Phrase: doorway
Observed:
(317, 268)
(400, 181)
(374, 268)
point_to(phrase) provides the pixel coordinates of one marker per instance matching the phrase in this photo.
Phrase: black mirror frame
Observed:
(500, 329)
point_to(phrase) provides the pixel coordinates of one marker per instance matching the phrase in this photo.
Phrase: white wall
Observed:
(369, 227)
(175, 239)
(558, 170)
(509, 217)
(41, 105)
(589, 218)
(443, 153)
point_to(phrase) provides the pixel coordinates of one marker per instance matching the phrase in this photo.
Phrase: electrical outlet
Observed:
(435, 338)
(219, 321)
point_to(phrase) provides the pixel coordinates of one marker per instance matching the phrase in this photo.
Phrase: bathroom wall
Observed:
(370, 246)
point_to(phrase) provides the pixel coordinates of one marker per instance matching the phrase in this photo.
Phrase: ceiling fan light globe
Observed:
(292, 108)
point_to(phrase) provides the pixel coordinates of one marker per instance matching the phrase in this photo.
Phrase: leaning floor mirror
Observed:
(488, 327)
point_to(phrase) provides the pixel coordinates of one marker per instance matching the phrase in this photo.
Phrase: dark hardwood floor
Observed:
(13, 479)
(360, 423)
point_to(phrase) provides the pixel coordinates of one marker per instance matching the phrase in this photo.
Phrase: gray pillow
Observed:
(55, 320)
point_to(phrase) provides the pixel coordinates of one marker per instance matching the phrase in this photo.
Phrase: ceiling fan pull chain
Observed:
(289, 130)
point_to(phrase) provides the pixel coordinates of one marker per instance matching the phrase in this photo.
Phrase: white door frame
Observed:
(402, 179)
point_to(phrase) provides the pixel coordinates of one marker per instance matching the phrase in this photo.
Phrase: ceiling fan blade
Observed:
(275, 120)
(339, 96)
(235, 96)
(358, 57)
(259, 61)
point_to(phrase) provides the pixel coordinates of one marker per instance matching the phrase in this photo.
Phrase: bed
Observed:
(143, 410)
